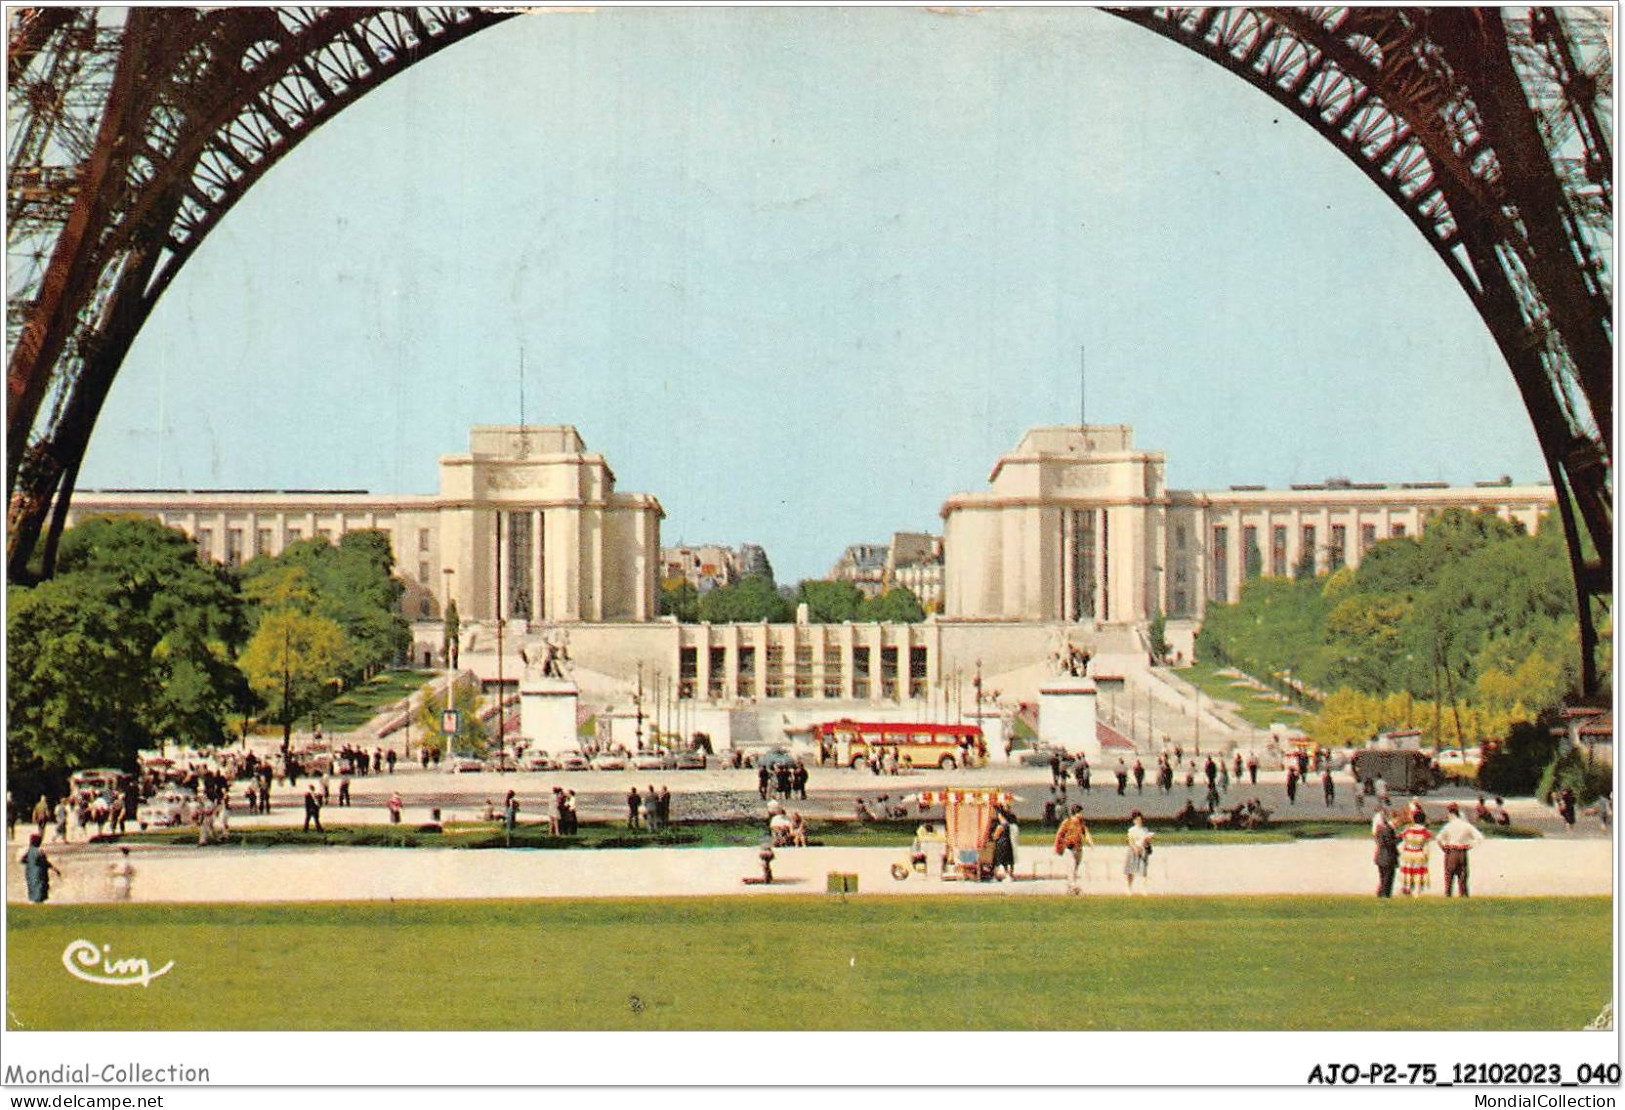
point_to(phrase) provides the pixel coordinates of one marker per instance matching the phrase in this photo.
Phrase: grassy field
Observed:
(1259, 708)
(822, 962)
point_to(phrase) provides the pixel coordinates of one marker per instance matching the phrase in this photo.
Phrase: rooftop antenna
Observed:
(1083, 383)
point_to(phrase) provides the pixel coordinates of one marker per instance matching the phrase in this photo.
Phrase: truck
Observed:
(1406, 771)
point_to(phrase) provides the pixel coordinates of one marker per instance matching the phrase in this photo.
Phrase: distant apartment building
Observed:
(863, 565)
(912, 560)
(707, 566)
(914, 563)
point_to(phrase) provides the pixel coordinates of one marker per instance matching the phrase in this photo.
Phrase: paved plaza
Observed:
(1558, 862)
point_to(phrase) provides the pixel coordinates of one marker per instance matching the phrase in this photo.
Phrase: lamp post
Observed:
(637, 702)
(451, 678)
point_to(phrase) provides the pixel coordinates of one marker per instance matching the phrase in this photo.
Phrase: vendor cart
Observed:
(966, 846)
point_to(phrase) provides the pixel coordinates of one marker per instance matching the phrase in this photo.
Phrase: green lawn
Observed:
(357, 706)
(821, 962)
(1257, 707)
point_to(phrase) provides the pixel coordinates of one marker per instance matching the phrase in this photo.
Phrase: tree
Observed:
(293, 663)
(750, 599)
(350, 584)
(1158, 635)
(898, 606)
(129, 645)
(679, 598)
(451, 641)
(829, 602)
(1253, 559)
(472, 735)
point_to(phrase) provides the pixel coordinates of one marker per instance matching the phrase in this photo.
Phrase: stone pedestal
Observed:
(1066, 715)
(547, 714)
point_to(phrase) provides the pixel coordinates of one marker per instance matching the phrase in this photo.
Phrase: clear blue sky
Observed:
(803, 273)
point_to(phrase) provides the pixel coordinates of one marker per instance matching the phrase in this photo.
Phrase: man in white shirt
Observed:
(1457, 838)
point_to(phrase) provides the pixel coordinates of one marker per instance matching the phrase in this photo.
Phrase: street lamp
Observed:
(451, 678)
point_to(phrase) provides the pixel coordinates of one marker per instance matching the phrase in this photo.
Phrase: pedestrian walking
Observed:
(37, 868)
(1566, 808)
(510, 816)
(1328, 787)
(394, 807)
(121, 876)
(1004, 845)
(1292, 785)
(1139, 777)
(1252, 768)
(1122, 777)
(635, 803)
(1138, 860)
(313, 808)
(1072, 837)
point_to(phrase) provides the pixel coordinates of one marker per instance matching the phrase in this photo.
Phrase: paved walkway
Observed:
(187, 874)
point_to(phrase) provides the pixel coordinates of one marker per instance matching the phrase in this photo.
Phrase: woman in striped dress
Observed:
(1413, 854)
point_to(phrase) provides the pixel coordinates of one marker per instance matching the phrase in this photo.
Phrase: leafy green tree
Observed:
(130, 644)
(1253, 560)
(451, 641)
(293, 663)
(351, 584)
(830, 602)
(750, 599)
(472, 734)
(679, 598)
(1158, 635)
(895, 606)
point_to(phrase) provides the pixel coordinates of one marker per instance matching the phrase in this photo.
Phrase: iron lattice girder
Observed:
(1428, 105)
(203, 104)
(1426, 102)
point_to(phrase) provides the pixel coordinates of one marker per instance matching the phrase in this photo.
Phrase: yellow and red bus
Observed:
(853, 743)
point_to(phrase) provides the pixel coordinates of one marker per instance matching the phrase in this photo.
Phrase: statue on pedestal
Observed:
(550, 656)
(1067, 658)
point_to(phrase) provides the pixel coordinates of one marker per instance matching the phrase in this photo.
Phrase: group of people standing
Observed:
(1405, 850)
(783, 780)
(649, 811)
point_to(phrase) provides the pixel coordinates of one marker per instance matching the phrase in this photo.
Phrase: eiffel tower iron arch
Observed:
(131, 142)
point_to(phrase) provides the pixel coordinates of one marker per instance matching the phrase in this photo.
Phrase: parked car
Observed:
(463, 764)
(541, 761)
(609, 761)
(654, 761)
(572, 761)
(98, 780)
(502, 762)
(1039, 755)
(690, 761)
(167, 809)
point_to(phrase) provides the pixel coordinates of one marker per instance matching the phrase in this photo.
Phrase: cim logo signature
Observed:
(86, 960)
